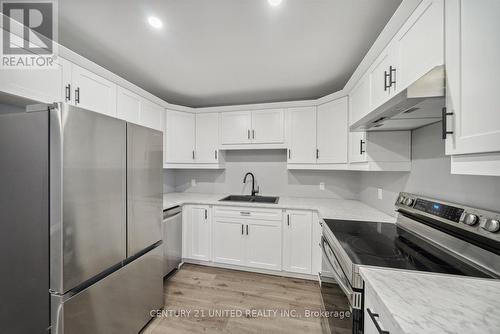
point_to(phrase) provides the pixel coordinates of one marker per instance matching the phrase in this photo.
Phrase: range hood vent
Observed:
(418, 105)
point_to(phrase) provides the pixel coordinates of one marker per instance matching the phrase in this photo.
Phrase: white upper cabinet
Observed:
(420, 43)
(357, 147)
(128, 105)
(207, 138)
(253, 127)
(359, 100)
(179, 137)
(92, 92)
(380, 79)
(297, 238)
(236, 127)
(152, 115)
(332, 132)
(268, 126)
(302, 141)
(473, 78)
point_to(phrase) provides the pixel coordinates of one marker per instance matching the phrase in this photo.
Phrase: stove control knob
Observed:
(470, 219)
(409, 201)
(490, 225)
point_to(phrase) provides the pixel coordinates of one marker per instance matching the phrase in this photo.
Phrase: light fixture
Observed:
(155, 22)
(274, 3)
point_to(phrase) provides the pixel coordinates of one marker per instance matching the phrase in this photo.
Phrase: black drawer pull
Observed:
(444, 118)
(373, 316)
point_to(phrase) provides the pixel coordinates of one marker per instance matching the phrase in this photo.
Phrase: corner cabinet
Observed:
(473, 77)
(253, 129)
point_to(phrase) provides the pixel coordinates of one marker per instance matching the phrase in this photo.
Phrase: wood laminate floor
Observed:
(200, 299)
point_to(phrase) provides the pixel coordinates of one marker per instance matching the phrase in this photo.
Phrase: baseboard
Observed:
(252, 270)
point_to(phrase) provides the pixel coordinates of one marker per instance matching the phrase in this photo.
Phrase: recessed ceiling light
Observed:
(155, 22)
(274, 3)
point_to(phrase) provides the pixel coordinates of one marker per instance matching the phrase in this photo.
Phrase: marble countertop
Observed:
(327, 208)
(437, 303)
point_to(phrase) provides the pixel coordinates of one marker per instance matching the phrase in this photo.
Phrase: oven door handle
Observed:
(337, 276)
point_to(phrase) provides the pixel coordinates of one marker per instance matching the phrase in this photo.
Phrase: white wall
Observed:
(430, 176)
(269, 168)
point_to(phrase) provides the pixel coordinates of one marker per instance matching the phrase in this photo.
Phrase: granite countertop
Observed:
(327, 208)
(437, 303)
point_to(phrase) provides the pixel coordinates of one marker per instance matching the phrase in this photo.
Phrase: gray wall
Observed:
(269, 167)
(430, 176)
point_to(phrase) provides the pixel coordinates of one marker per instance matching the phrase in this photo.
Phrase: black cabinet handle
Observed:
(68, 92)
(289, 154)
(392, 80)
(386, 76)
(247, 229)
(444, 116)
(193, 154)
(248, 134)
(206, 214)
(361, 142)
(77, 95)
(288, 219)
(317, 153)
(242, 231)
(215, 154)
(373, 316)
(253, 134)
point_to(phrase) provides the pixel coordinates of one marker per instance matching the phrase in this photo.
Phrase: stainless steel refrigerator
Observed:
(91, 189)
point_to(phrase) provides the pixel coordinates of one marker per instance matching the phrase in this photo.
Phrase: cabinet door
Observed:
(200, 235)
(93, 92)
(297, 238)
(420, 43)
(41, 85)
(151, 115)
(379, 81)
(357, 147)
(180, 137)
(263, 244)
(207, 138)
(268, 126)
(359, 100)
(128, 105)
(302, 146)
(332, 132)
(228, 241)
(236, 127)
(473, 76)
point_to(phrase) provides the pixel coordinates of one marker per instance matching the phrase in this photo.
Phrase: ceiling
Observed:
(224, 52)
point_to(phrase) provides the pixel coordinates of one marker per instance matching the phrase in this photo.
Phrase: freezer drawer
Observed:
(144, 187)
(120, 303)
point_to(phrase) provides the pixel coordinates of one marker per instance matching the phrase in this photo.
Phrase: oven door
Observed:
(336, 293)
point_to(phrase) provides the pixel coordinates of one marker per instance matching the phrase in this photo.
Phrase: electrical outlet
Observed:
(322, 186)
(380, 193)
(193, 183)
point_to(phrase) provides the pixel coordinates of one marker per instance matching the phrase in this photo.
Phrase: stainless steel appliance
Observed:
(429, 235)
(92, 189)
(172, 239)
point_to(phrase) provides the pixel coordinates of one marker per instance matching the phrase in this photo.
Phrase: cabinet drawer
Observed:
(245, 213)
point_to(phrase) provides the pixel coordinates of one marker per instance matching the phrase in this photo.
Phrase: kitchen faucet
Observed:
(254, 191)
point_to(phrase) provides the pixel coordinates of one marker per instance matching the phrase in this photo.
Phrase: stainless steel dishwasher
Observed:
(172, 239)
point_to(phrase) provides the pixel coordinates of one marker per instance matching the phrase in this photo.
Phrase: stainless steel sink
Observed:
(251, 199)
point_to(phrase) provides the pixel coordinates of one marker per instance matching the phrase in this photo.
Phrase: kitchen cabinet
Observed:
(302, 142)
(297, 238)
(332, 130)
(381, 74)
(473, 77)
(252, 127)
(380, 151)
(207, 138)
(128, 105)
(179, 137)
(376, 319)
(152, 115)
(359, 100)
(198, 235)
(248, 237)
(90, 91)
(229, 241)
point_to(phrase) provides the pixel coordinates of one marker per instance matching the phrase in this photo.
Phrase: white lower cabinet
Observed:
(229, 241)
(376, 319)
(297, 238)
(263, 244)
(197, 238)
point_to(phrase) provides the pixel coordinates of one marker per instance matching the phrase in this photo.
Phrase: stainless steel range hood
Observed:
(418, 105)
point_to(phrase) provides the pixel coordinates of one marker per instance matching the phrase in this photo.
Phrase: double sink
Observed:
(251, 199)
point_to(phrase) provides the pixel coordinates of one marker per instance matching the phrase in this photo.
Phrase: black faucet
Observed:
(254, 191)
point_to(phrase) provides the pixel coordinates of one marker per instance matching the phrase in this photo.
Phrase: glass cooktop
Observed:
(387, 245)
